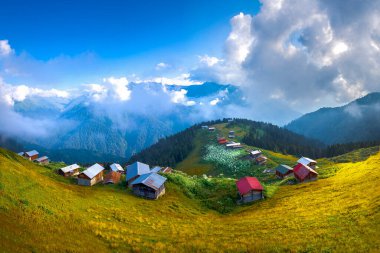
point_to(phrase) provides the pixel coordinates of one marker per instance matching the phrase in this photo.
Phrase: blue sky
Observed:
(116, 29)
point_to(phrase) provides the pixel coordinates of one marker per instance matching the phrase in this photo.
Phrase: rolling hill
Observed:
(42, 212)
(354, 122)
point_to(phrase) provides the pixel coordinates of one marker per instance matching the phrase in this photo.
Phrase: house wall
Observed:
(252, 196)
(83, 181)
(131, 180)
(147, 192)
(308, 178)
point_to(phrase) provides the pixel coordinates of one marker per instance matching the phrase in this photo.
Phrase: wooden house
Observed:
(231, 134)
(211, 129)
(233, 144)
(135, 170)
(249, 189)
(222, 140)
(42, 160)
(91, 176)
(167, 170)
(261, 160)
(31, 155)
(255, 153)
(308, 162)
(304, 173)
(69, 171)
(112, 177)
(116, 168)
(150, 186)
(283, 171)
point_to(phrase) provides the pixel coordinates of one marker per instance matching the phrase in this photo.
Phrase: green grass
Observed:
(39, 213)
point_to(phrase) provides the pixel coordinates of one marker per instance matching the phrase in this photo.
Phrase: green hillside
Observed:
(42, 212)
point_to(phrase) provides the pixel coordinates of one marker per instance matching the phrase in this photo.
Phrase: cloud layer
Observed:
(302, 54)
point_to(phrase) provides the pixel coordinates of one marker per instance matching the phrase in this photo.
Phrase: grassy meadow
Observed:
(43, 212)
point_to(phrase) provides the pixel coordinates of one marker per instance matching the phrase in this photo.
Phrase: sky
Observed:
(114, 37)
(288, 57)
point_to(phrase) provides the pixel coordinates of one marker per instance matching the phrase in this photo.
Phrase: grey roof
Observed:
(152, 180)
(116, 167)
(21, 153)
(156, 169)
(284, 168)
(94, 170)
(70, 168)
(137, 169)
(42, 159)
(305, 161)
(32, 153)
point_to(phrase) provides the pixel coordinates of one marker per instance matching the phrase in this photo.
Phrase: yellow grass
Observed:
(40, 214)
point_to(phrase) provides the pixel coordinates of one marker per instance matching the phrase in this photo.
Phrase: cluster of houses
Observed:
(303, 171)
(229, 144)
(258, 157)
(33, 155)
(251, 190)
(140, 178)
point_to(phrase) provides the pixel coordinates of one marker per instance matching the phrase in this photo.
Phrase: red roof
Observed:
(222, 141)
(247, 184)
(301, 171)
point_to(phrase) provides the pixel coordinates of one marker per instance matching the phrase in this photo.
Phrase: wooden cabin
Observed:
(112, 177)
(255, 153)
(283, 171)
(211, 129)
(31, 155)
(150, 186)
(116, 168)
(308, 162)
(261, 160)
(42, 160)
(249, 189)
(231, 134)
(304, 173)
(69, 171)
(91, 176)
(135, 170)
(233, 145)
(167, 170)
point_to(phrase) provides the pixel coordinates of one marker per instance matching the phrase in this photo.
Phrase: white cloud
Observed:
(183, 79)
(10, 94)
(240, 39)
(214, 101)
(209, 60)
(302, 54)
(5, 48)
(161, 65)
(119, 87)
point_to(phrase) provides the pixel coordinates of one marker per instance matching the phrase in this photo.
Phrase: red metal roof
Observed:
(301, 171)
(247, 184)
(222, 141)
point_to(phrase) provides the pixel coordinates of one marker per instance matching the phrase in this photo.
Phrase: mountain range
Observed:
(86, 131)
(354, 122)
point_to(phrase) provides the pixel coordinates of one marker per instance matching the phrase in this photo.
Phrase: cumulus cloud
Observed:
(5, 48)
(14, 124)
(228, 70)
(209, 60)
(161, 65)
(302, 54)
(183, 79)
(10, 94)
